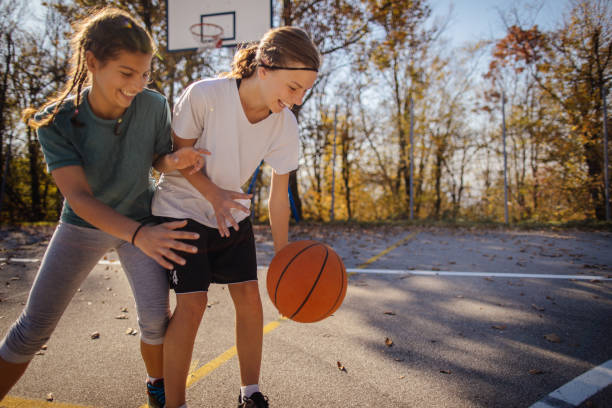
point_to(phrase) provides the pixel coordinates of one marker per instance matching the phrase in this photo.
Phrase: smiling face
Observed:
(283, 88)
(116, 82)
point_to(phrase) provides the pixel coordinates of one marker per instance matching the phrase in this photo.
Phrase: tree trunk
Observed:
(594, 169)
(35, 201)
(346, 165)
(3, 93)
(437, 177)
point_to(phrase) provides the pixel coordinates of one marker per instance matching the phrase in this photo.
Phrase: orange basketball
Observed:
(307, 281)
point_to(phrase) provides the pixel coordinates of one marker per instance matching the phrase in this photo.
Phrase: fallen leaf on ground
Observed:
(340, 366)
(131, 332)
(499, 327)
(399, 359)
(43, 347)
(538, 308)
(401, 377)
(124, 309)
(535, 371)
(388, 342)
(50, 397)
(121, 317)
(446, 371)
(553, 338)
(95, 335)
(390, 313)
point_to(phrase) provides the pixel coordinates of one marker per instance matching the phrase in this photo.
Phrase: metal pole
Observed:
(505, 158)
(411, 159)
(605, 152)
(333, 185)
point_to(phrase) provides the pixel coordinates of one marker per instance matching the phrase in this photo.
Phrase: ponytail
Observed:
(278, 47)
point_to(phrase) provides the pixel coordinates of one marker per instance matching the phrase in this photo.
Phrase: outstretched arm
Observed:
(222, 200)
(183, 158)
(156, 241)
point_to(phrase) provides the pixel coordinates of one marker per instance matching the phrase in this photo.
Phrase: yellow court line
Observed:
(13, 402)
(212, 365)
(385, 252)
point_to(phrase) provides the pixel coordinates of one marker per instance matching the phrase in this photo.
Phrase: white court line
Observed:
(33, 260)
(469, 274)
(19, 260)
(476, 274)
(579, 389)
(400, 271)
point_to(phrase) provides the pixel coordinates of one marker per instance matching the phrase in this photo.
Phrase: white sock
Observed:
(153, 379)
(248, 390)
(183, 406)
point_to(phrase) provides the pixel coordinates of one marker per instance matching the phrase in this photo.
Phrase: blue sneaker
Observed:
(156, 393)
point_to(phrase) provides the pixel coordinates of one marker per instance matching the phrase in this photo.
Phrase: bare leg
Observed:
(152, 354)
(249, 329)
(10, 373)
(178, 344)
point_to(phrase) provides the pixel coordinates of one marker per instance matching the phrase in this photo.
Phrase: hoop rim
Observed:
(207, 40)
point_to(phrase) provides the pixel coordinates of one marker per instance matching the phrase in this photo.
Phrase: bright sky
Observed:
(475, 20)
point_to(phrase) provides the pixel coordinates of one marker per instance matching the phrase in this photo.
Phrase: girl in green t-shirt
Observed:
(100, 138)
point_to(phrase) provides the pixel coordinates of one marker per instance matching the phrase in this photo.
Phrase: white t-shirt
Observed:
(211, 112)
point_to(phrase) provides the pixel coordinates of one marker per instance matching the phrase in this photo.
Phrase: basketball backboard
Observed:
(241, 21)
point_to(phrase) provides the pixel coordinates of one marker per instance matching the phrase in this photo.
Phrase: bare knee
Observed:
(246, 297)
(191, 306)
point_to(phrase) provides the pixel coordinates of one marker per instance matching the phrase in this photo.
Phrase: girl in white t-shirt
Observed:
(241, 118)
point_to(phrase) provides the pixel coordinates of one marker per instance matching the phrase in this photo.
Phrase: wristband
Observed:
(136, 232)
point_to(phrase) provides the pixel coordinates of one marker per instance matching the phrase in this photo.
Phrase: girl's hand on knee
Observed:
(187, 157)
(161, 241)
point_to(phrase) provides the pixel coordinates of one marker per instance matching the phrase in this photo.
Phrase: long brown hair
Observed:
(106, 32)
(278, 47)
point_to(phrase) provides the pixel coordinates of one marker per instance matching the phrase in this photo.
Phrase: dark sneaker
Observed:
(156, 393)
(257, 400)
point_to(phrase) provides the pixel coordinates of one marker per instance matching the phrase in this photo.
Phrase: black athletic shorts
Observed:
(218, 260)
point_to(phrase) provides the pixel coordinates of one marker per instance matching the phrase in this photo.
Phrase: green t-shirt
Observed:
(117, 166)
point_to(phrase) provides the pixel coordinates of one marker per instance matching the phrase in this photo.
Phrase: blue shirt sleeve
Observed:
(58, 150)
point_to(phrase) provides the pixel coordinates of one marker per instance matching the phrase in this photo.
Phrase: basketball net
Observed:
(208, 35)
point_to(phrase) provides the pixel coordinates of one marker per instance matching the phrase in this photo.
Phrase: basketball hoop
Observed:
(207, 34)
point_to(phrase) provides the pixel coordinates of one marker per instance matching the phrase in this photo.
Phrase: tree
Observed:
(573, 65)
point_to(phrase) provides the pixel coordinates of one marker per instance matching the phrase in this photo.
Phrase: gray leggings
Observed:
(72, 253)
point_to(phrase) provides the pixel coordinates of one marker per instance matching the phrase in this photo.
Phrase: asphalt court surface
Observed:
(453, 340)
